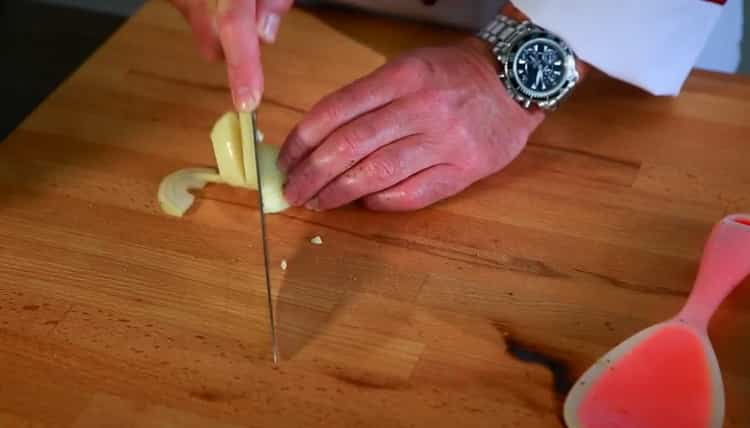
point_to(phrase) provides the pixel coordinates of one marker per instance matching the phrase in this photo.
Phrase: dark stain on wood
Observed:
(369, 382)
(212, 395)
(608, 159)
(31, 307)
(531, 353)
(635, 287)
(527, 353)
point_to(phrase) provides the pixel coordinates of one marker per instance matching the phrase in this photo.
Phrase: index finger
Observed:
(238, 34)
(360, 97)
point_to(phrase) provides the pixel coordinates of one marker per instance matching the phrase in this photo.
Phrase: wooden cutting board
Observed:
(480, 311)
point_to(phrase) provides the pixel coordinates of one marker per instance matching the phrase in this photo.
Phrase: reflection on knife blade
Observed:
(274, 342)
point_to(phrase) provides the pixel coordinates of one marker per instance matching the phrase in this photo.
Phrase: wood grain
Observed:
(112, 314)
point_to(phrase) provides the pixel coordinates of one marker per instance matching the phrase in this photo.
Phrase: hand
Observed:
(417, 130)
(231, 29)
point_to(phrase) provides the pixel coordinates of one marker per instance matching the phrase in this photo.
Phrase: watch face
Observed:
(539, 66)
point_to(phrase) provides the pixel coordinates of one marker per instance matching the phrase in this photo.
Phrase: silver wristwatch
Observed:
(536, 66)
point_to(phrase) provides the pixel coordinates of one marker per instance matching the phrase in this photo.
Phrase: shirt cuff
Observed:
(650, 44)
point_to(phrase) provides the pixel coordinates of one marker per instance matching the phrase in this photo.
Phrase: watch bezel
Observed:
(507, 52)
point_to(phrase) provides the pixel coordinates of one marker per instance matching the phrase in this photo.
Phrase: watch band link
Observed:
(498, 30)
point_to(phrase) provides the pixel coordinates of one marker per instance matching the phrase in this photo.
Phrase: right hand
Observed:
(232, 30)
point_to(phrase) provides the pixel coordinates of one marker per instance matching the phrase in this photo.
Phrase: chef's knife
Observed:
(274, 342)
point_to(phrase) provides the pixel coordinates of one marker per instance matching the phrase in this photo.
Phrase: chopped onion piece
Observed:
(228, 150)
(317, 240)
(174, 190)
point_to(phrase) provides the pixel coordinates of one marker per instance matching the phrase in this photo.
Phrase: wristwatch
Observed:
(536, 66)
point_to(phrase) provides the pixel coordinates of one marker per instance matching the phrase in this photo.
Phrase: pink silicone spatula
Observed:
(667, 375)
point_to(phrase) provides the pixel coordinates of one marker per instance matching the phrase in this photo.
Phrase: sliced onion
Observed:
(233, 140)
(174, 190)
(272, 178)
(247, 133)
(228, 151)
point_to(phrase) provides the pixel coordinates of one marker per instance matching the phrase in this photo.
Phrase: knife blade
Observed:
(274, 341)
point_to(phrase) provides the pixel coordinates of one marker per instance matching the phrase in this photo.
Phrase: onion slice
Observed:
(228, 149)
(233, 139)
(174, 190)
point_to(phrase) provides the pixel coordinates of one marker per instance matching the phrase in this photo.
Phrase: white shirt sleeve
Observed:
(650, 44)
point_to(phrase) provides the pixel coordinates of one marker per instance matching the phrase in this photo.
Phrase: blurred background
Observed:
(43, 41)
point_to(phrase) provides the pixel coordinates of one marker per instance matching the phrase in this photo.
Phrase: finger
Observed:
(348, 145)
(421, 190)
(379, 171)
(269, 17)
(239, 40)
(364, 95)
(201, 20)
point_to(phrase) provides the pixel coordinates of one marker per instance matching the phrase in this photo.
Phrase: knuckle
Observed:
(366, 90)
(332, 110)
(392, 201)
(352, 138)
(463, 132)
(379, 169)
(303, 134)
(437, 101)
(338, 192)
(476, 159)
(412, 69)
(317, 167)
(348, 143)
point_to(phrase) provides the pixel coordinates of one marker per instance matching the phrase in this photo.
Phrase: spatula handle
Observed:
(724, 264)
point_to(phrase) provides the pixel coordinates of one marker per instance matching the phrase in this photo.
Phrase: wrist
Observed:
(481, 49)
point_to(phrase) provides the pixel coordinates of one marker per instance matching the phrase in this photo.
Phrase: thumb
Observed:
(269, 17)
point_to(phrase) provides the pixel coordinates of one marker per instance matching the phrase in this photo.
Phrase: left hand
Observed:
(417, 130)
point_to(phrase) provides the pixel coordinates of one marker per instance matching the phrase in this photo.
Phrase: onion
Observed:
(233, 140)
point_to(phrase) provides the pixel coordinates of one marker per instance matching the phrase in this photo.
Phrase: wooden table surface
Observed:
(480, 311)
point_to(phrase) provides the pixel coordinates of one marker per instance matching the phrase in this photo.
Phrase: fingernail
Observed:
(270, 27)
(246, 99)
(313, 204)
